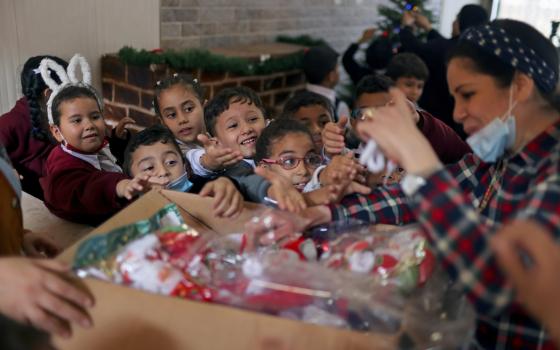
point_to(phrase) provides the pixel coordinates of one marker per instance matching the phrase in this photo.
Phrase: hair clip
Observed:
(175, 75)
(195, 81)
(158, 83)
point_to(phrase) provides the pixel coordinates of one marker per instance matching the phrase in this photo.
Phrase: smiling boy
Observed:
(235, 119)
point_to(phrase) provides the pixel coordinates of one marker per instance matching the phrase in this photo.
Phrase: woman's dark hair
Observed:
(489, 64)
(69, 93)
(184, 80)
(32, 87)
(274, 132)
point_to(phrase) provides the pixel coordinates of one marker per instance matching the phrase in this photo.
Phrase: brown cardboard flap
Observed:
(144, 207)
(201, 208)
(130, 319)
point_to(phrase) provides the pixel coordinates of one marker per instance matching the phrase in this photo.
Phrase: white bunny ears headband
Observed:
(67, 78)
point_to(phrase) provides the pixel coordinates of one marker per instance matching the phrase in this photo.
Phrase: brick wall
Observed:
(128, 90)
(216, 23)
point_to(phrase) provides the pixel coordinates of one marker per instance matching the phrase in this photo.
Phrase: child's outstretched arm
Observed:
(228, 202)
(121, 129)
(344, 167)
(282, 191)
(141, 183)
(333, 137)
(334, 192)
(217, 157)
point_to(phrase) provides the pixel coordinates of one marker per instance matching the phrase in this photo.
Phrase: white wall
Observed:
(449, 11)
(64, 27)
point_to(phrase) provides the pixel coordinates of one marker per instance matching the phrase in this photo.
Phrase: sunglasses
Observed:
(289, 162)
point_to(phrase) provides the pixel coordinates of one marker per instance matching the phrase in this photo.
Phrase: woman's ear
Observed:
(55, 131)
(524, 87)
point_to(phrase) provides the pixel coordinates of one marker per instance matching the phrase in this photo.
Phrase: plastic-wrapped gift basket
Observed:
(344, 274)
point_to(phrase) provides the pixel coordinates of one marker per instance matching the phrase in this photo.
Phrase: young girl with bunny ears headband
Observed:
(82, 181)
(24, 130)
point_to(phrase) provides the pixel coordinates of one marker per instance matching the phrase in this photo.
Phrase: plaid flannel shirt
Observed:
(447, 208)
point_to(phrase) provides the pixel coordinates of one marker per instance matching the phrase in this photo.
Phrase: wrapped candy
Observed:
(342, 274)
(150, 255)
(401, 257)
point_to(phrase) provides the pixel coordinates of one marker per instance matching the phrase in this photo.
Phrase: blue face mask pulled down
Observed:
(491, 142)
(181, 184)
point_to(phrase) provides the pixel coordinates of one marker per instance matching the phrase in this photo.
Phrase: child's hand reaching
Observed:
(282, 191)
(228, 202)
(121, 130)
(141, 183)
(343, 167)
(333, 193)
(333, 137)
(217, 157)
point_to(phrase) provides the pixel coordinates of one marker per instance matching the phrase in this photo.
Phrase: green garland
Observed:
(205, 60)
(303, 40)
(189, 59)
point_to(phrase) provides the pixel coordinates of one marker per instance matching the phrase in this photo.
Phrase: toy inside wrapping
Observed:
(344, 274)
(150, 255)
(399, 256)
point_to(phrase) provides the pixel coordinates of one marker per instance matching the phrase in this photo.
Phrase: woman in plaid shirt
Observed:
(504, 79)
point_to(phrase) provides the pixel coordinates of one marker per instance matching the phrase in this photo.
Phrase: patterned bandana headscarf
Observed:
(512, 51)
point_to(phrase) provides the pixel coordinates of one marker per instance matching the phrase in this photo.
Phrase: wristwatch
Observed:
(411, 183)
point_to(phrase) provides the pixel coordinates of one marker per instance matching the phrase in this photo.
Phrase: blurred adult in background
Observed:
(436, 98)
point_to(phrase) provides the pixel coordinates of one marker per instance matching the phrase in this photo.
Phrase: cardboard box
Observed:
(130, 319)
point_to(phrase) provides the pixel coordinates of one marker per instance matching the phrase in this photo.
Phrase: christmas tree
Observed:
(390, 24)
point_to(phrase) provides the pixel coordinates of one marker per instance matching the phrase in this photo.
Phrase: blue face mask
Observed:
(491, 142)
(181, 184)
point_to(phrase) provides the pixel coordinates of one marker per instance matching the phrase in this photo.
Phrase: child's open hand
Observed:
(333, 137)
(139, 184)
(228, 202)
(121, 130)
(217, 157)
(341, 167)
(282, 191)
(333, 193)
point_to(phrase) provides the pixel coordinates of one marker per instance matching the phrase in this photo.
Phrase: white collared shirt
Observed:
(342, 108)
(102, 160)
